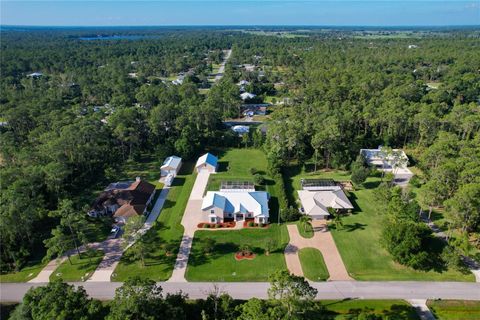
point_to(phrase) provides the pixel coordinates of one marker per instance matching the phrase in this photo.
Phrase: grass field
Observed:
(455, 309)
(359, 239)
(220, 265)
(313, 266)
(27, 273)
(79, 270)
(167, 232)
(387, 309)
(147, 168)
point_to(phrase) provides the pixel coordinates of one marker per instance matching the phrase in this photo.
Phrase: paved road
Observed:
(221, 70)
(407, 290)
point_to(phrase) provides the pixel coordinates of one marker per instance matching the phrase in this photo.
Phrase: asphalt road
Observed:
(13, 292)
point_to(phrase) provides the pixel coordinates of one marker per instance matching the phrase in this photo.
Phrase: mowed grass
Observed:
(313, 265)
(358, 241)
(25, 274)
(147, 168)
(235, 165)
(80, 268)
(455, 309)
(167, 232)
(386, 309)
(220, 264)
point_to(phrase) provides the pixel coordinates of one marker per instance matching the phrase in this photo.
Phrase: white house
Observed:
(207, 162)
(171, 165)
(236, 205)
(379, 158)
(319, 195)
(247, 95)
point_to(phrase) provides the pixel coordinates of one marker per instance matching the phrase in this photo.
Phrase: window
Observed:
(212, 211)
(213, 219)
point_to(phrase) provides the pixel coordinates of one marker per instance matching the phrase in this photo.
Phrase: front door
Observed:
(239, 217)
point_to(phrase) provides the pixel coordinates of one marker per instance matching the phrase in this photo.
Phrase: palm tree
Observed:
(305, 220)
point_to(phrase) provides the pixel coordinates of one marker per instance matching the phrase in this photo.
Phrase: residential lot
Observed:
(313, 266)
(80, 268)
(221, 265)
(164, 238)
(359, 239)
(455, 309)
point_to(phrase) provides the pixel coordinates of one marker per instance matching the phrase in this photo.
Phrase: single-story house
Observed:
(247, 96)
(236, 205)
(207, 162)
(171, 165)
(124, 199)
(319, 195)
(35, 75)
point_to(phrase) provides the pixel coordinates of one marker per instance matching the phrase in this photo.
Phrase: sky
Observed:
(234, 12)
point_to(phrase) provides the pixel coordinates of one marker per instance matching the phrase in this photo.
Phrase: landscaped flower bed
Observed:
(251, 224)
(207, 225)
(240, 255)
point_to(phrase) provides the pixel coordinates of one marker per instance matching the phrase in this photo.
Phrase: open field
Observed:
(359, 239)
(163, 239)
(345, 309)
(313, 265)
(80, 269)
(220, 264)
(147, 168)
(455, 309)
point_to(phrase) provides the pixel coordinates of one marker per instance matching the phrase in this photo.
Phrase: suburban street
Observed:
(408, 290)
(221, 70)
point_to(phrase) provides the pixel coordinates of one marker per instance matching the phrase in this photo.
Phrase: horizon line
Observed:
(242, 25)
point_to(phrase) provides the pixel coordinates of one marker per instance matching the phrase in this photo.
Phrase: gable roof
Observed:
(172, 162)
(207, 158)
(247, 95)
(133, 200)
(317, 202)
(238, 202)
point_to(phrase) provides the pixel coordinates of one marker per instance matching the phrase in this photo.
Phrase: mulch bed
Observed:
(247, 224)
(224, 225)
(240, 256)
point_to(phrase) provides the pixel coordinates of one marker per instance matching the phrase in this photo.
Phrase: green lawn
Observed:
(313, 266)
(235, 164)
(359, 239)
(305, 231)
(147, 168)
(167, 231)
(27, 273)
(455, 309)
(387, 309)
(220, 265)
(80, 269)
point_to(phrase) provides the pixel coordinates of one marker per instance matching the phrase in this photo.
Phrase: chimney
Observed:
(138, 179)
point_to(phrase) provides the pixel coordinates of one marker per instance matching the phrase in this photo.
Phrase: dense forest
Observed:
(94, 104)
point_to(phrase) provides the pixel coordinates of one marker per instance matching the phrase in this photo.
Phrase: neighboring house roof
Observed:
(172, 162)
(131, 197)
(379, 157)
(35, 74)
(243, 82)
(317, 202)
(247, 95)
(255, 202)
(241, 129)
(207, 158)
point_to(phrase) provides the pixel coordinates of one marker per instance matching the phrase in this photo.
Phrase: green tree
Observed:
(293, 293)
(58, 300)
(305, 221)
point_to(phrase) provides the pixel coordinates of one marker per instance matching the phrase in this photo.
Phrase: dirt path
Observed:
(323, 241)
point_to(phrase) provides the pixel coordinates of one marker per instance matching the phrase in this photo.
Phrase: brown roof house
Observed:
(124, 199)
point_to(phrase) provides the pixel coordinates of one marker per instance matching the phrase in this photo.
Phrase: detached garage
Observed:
(207, 162)
(171, 165)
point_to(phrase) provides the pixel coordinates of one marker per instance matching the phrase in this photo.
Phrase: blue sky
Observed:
(234, 12)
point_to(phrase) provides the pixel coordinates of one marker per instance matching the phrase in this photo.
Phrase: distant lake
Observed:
(117, 37)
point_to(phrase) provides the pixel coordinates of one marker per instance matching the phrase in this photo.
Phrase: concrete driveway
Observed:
(191, 218)
(323, 241)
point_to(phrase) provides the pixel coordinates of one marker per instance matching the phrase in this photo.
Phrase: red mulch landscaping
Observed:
(208, 225)
(240, 256)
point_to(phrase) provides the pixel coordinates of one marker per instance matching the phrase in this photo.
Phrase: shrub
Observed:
(218, 226)
(290, 214)
(206, 225)
(251, 224)
(253, 171)
(258, 179)
(415, 182)
(261, 225)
